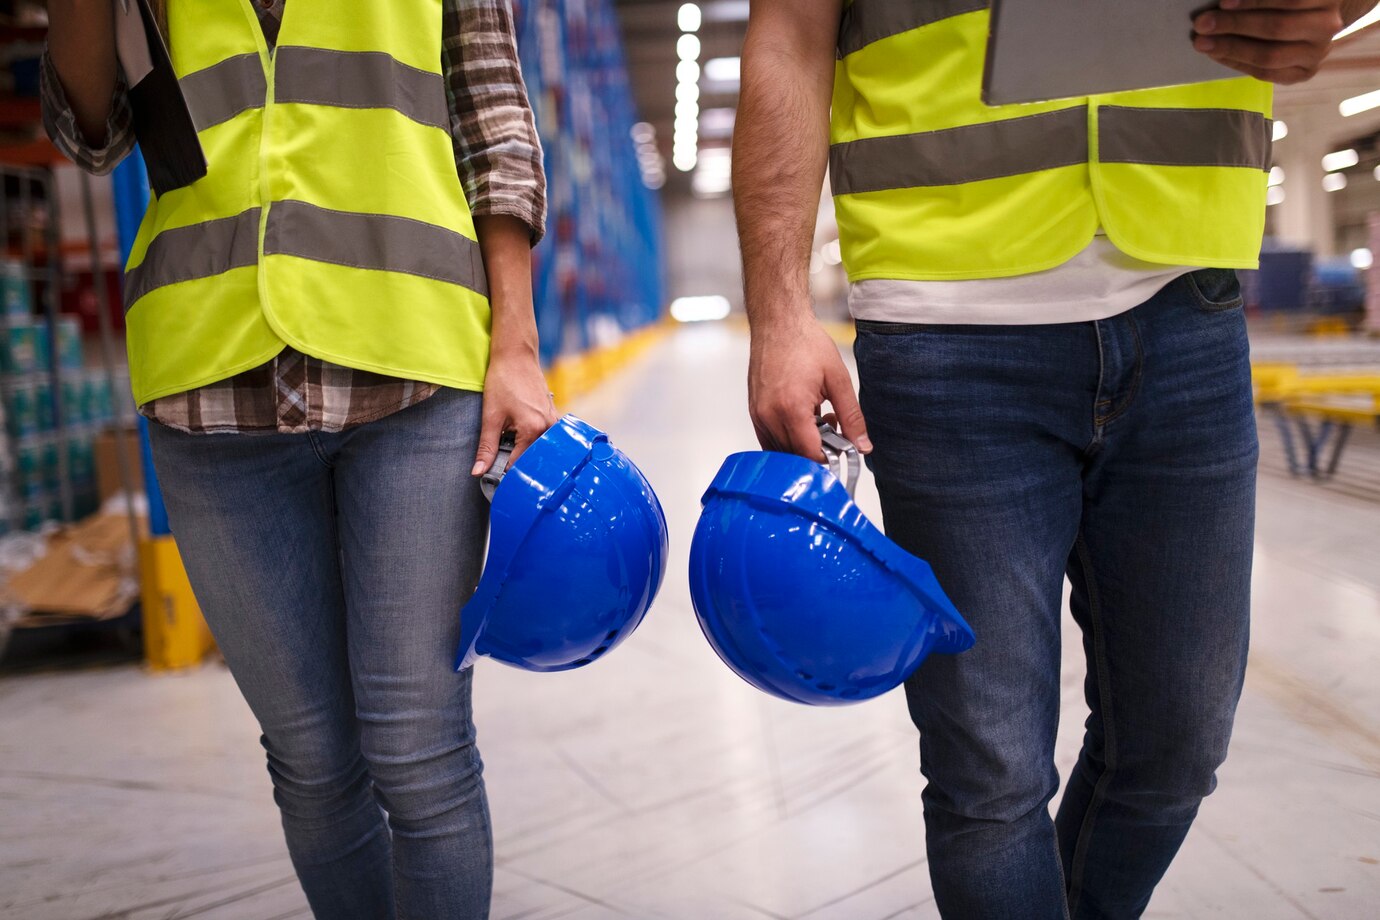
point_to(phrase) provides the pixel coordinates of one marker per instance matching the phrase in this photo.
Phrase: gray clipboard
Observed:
(1056, 49)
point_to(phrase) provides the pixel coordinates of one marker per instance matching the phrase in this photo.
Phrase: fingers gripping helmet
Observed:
(577, 550)
(800, 594)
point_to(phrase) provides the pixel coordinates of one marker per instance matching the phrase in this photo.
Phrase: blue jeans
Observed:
(1121, 453)
(331, 569)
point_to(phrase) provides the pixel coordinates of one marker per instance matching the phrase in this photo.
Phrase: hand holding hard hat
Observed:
(800, 594)
(577, 550)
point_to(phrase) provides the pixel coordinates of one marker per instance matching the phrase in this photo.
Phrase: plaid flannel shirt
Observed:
(499, 159)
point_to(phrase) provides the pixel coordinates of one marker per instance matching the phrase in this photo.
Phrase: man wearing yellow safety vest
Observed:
(1054, 380)
(311, 326)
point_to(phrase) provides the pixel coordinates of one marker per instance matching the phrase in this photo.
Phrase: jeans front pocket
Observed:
(1215, 290)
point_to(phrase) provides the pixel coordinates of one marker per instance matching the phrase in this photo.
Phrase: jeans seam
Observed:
(316, 449)
(1099, 793)
(1097, 396)
(1134, 388)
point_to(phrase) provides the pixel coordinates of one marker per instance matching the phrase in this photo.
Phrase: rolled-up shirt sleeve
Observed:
(61, 124)
(497, 150)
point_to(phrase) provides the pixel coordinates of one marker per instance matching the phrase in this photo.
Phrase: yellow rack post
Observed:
(175, 633)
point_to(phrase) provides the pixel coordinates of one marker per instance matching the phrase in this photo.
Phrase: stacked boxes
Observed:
(35, 443)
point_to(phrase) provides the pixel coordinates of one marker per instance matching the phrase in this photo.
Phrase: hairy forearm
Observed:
(780, 148)
(81, 43)
(507, 246)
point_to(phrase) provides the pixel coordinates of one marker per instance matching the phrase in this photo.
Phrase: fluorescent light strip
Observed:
(1358, 104)
(1369, 19)
(1340, 159)
(688, 17)
(723, 69)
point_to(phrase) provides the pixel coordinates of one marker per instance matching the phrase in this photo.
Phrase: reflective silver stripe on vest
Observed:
(374, 241)
(1184, 137)
(222, 91)
(868, 21)
(1154, 137)
(955, 155)
(199, 251)
(360, 80)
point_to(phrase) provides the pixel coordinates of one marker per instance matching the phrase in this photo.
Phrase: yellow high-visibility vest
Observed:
(331, 218)
(931, 184)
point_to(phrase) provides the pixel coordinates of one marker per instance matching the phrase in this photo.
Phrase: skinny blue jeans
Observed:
(1121, 453)
(331, 569)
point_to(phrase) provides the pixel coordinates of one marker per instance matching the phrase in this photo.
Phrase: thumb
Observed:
(845, 405)
(484, 457)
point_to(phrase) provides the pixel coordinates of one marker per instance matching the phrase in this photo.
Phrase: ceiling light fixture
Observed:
(1358, 104)
(688, 47)
(727, 70)
(688, 17)
(1340, 159)
(1369, 19)
(709, 184)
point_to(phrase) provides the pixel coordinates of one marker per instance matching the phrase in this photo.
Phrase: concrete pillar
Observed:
(1304, 218)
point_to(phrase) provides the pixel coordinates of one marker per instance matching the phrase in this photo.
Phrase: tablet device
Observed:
(1056, 49)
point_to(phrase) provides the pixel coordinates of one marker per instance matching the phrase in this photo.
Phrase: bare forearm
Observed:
(81, 43)
(780, 149)
(507, 246)
(515, 394)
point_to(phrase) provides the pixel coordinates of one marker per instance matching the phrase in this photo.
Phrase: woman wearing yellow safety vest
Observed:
(311, 325)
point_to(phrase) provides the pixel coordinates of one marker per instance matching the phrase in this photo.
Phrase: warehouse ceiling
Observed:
(653, 28)
(651, 31)
(1350, 72)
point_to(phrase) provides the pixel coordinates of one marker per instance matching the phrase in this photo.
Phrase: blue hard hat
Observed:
(577, 550)
(800, 594)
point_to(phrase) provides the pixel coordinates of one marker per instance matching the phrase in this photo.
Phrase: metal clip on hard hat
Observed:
(577, 551)
(839, 455)
(800, 594)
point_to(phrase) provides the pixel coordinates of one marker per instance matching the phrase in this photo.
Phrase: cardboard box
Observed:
(88, 572)
(108, 463)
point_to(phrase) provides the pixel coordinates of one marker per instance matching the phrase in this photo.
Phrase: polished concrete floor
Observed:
(657, 785)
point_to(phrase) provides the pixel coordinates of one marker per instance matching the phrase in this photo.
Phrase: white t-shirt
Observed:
(1099, 282)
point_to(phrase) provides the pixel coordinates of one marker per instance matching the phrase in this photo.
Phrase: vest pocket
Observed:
(1215, 290)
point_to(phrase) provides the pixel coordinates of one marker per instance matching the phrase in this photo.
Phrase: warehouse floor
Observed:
(657, 785)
